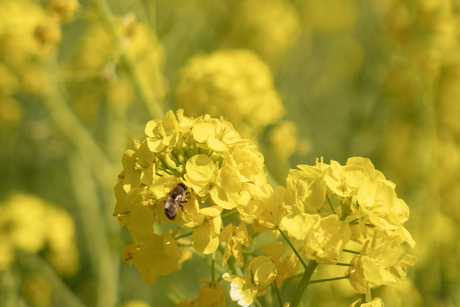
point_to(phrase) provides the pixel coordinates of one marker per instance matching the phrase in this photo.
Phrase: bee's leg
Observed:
(183, 201)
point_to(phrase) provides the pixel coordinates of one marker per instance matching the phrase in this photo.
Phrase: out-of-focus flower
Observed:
(136, 304)
(63, 10)
(26, 44)
(283, 140)
(376, 302)
(234, 83)
(211, 295)
(329, 15)
(30, 224)
(36, 290)
(26, 39)
(269, 28)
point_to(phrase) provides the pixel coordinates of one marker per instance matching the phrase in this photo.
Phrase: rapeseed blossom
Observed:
(232, 82)
(269, 28)
(325, 212)
(208, 156)
(31, 225)
(244, 289)
(27, 44)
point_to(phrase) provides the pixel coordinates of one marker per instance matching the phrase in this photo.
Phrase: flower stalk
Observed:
(303, 284)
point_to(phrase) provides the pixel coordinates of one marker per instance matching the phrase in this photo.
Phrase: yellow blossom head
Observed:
(216, 169)
(234, 83)
(30, 224)
(269, 28)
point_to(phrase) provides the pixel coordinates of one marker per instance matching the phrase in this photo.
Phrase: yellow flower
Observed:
(235, 236)
(211, 295)
(344, 181)
(284, 268)
(300, 225)
(376, 302)
(205, 237)
(325, 242)
(219, 170)
(262, 272)
(221, 184)
(380, 207)
(136, 303)
(249, 164)
(242, 289)
(382, 264)
(306, 188)
(157, 256)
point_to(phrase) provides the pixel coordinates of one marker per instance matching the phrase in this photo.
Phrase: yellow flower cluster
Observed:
(195, 171)
(212, 169)
(269, 28)
(333, 207)
(29, 224)
(231, 82)
(25, 44)
(262, 271)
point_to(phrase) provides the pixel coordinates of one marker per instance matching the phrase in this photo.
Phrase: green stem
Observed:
(77, 134)
(343, 264)
(213, 267)
(304, 282)
(328, 279)
(330, 204)
(103, 261)
(229, 213)
(147, 98)
(292, 247)
(351, 251)
(260, 299)
(184, 235)
(278, 294)
(246, 252)
(258, 302)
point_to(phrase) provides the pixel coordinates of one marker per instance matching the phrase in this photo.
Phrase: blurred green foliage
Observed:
(356, 78)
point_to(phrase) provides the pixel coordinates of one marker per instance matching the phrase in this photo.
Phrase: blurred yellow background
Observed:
(305, 79)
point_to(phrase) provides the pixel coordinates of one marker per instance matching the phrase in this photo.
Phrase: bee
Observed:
(176, 197)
